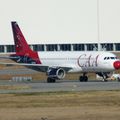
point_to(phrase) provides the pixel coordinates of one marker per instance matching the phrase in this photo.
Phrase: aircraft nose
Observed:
(116, 65)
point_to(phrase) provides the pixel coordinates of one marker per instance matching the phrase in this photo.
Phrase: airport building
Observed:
(63, 25)
(65, 47)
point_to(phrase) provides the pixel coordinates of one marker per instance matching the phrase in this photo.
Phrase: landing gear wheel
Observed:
(51, 80)
(104, 80)
(118, 79)
(83, 78)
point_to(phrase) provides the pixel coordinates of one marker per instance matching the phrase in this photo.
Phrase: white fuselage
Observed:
(80, 61)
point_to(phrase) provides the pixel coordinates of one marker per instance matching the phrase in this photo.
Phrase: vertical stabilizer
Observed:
(21, 46)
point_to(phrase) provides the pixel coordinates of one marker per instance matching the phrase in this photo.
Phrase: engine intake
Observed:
(57, 73)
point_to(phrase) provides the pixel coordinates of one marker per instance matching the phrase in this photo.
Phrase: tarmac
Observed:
(10, 86)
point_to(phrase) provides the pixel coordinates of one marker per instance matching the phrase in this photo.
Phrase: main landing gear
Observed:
(83, 78)
(51, 80)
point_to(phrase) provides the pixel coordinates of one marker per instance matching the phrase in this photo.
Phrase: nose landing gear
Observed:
(104, 76)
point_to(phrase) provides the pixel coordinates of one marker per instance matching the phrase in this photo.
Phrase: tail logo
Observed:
(26, 55)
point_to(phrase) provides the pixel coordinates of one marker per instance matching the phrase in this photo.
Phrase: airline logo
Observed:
(26, 55)
(87, 61)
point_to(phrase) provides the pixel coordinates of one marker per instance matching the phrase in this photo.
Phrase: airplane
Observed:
(58, 63)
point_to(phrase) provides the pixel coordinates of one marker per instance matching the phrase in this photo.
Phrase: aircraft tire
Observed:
(83, 79)
(118, 79)
(105, 80)
(51, 80)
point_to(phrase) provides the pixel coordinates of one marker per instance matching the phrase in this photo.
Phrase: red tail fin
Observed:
(21, 46)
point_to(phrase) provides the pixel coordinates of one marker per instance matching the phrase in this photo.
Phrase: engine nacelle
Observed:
(57, 73)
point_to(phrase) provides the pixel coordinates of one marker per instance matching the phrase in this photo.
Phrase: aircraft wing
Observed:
(41, 66)
(9, 57)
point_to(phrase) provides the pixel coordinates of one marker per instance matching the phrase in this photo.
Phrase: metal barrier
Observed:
(21, 78)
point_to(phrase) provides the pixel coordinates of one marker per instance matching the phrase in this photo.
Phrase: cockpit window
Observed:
(110, 58)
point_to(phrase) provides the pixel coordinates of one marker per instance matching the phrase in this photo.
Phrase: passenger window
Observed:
(105, 58)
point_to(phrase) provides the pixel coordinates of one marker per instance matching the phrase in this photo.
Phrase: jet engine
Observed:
(57, 73)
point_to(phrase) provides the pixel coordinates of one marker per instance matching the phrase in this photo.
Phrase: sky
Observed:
(61, 21)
